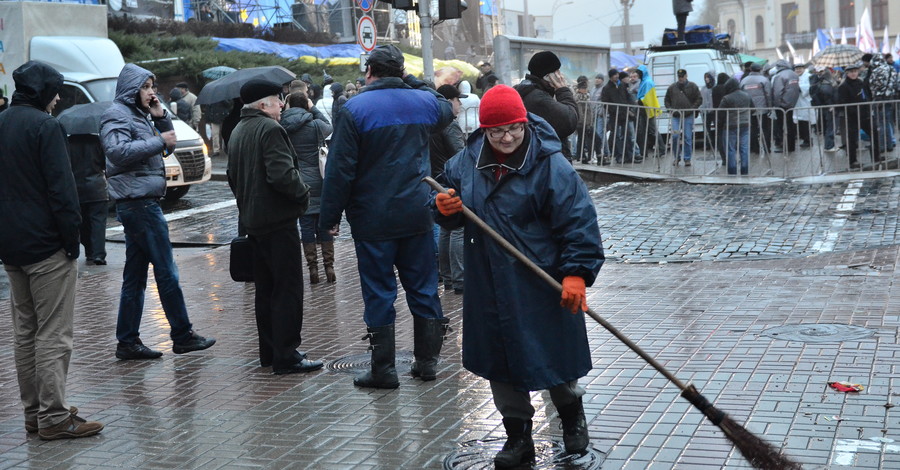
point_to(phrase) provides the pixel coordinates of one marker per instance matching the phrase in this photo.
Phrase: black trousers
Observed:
(854, 124)
(681, 18)
(93, 229)
(278, 270)
(782, 120)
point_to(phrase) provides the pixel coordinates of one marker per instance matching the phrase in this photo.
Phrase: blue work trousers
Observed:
(414, 258)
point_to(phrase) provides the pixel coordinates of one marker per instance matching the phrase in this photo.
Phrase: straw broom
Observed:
(758, 452)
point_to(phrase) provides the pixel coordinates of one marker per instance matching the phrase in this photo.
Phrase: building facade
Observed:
(767, 24)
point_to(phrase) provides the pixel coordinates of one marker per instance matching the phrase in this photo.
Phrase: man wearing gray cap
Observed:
(377, 159)
(264, 175)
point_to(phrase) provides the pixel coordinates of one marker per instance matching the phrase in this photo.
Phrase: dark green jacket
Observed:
(264, 174)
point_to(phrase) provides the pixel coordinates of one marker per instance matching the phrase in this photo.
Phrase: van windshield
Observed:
(103, 89)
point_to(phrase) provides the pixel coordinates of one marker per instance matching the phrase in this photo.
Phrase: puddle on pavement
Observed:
(549, 455)
(819, 333)
(847, 450)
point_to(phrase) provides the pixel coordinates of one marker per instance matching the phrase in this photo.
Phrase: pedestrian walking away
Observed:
(377, 158)
(38, 247)
(264, 174)
(517, 331)
(137, 133)
(307, 128)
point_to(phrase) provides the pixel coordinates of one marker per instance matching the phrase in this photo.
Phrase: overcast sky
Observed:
(588, 21)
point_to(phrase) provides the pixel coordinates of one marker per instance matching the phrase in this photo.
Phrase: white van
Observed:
(664, 61)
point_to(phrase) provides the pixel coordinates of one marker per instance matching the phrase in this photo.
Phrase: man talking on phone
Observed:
(546, 93)
(137, 133)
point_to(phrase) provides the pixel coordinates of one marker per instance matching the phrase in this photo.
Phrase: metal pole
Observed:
(526, 22)
(626, 4)
(425, 29)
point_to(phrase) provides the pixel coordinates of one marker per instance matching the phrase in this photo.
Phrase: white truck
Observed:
(73, 39)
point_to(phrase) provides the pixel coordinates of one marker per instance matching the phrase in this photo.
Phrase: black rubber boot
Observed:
(384, 371)
(428, 337)
(519, 447)
(574, 426)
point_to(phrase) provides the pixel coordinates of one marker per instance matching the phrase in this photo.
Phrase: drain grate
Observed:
(549, 455)
(819, 333)
(358, 363)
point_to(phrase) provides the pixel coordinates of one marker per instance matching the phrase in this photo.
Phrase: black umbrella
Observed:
(229, 86)
(84, 118)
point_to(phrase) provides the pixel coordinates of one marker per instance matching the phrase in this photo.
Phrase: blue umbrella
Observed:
(217, 72)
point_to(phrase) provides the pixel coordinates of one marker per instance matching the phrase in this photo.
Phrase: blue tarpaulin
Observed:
(288, 51)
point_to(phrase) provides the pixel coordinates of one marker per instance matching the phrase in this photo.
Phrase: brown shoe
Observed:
(71, 428)
(32, 426)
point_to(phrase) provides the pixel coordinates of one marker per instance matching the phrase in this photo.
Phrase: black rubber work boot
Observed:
(428, 337)
(384, 371)
(574, 426)
(519, 447)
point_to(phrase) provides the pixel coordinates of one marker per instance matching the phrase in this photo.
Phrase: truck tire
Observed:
(175, 193)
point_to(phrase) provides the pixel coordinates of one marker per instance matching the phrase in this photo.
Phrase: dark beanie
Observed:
(258, 89)
(542, 63)
(501, 105)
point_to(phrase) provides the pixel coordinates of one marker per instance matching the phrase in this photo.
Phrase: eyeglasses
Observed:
(515, 131)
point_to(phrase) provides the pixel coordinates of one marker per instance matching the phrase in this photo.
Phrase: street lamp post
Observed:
(557, 6)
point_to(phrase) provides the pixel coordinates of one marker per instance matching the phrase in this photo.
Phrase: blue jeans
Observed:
(147, 241)
(416, 265)
(738, 141)
(600, 146)
(450, 257)
(685, 124)
(309, 230)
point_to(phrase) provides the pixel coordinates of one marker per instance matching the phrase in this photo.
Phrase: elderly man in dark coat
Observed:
(546, 93)
(264, 175)
(517, 332)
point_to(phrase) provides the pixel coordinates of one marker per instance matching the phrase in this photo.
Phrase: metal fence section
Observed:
(747, 142)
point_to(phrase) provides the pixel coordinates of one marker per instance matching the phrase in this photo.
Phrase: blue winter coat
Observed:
(377, 158)
(132, 141)
(514, 329)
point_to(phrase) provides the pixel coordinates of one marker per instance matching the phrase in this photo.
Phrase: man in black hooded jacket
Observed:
(546, 93)
(39, 214)
(859, 116)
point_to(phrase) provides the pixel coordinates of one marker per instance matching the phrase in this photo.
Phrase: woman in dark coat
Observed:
(307, 127)
(516, 332)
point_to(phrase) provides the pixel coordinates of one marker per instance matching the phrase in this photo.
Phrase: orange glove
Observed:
(448, 203)
(573, 294)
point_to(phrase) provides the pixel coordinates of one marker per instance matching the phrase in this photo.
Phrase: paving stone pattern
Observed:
(703, 321)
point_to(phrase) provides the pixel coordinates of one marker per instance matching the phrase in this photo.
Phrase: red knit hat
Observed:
(501, 105)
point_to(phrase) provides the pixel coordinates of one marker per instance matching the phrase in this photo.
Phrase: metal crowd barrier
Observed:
(795, 143)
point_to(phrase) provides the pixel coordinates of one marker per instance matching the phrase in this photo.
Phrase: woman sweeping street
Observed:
(517, 332)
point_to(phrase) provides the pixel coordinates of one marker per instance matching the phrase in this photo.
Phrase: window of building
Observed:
(789, 18)
(760, 30)
(816, 14)
(879, 14)
(848, 13)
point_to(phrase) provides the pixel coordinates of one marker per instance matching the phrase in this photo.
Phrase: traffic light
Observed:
(451, 9)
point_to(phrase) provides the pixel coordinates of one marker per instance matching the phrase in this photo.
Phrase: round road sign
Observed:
(366, 33)
(366, 5)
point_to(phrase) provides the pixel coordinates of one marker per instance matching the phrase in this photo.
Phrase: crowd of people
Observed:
(508, 163)
(775, 108)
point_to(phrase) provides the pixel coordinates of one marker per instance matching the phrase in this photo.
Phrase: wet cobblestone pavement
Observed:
(802, 255)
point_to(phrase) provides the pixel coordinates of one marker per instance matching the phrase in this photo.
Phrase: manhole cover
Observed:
(819, 333)
(479, 454)
(359, 363)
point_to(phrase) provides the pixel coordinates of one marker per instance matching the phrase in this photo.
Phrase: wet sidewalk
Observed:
(706, 322)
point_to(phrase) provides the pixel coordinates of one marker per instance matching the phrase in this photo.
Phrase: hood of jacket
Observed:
(722, 78)
(175, 94)
(131, 79)
(293, 119)
(709, 79)
(465, 88)
(780, 66)
(646, 82)
(36, 84)
(731, 86)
